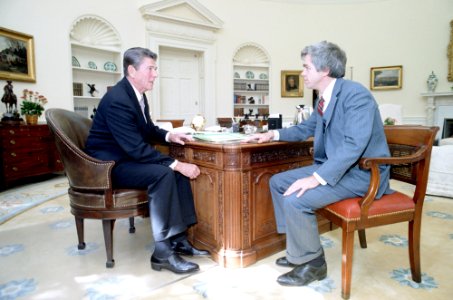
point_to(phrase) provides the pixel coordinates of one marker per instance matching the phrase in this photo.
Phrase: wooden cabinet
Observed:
(26, 151)
(235, 213)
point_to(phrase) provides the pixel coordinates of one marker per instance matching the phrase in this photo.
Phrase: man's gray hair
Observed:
(327, 56)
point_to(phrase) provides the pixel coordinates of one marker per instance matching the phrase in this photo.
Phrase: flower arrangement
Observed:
(389, 121)
(32, 103)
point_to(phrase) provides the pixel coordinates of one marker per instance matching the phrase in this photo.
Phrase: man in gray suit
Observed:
(346, 126)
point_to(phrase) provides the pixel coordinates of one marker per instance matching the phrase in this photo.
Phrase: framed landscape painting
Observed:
(16, 56)
(386, 78)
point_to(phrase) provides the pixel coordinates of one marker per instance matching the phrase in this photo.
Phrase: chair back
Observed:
(71, 132)
(406, 140)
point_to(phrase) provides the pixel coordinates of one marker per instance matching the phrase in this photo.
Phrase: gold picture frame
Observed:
(292, 84)
(450, 54)
(386, 78)
(17, 56)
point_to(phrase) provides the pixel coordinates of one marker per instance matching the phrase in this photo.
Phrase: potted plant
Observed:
(32, 106)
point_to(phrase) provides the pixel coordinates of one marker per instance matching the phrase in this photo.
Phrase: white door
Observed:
(179, 76)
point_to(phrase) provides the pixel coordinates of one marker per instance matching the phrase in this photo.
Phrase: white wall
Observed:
(412, 33)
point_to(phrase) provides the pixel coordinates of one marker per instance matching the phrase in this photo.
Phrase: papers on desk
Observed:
(219, 137)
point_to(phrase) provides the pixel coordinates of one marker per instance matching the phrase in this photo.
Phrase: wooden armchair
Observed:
(410, 148)
(90, 191)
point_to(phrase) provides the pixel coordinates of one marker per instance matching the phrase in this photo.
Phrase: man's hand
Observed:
(179, 138)
(260, 137)
(302, 185)
(189, 170)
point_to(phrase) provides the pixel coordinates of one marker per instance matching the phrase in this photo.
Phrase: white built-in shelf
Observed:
(250, 105)
(96, 71)
(86, 98)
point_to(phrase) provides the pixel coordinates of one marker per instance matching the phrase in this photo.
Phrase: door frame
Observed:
(206, 71)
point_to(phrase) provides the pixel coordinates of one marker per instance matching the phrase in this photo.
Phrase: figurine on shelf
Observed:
(10, 100)
(94, 112)
(93, 91)
(251, 100)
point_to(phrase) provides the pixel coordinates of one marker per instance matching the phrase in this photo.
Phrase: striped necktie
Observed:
(142, 105)
(321, 106)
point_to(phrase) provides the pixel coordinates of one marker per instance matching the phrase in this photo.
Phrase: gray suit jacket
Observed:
(351, 128)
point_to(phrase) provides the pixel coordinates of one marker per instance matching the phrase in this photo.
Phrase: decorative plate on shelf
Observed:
(75, 62)
(236, 75)
(249, 75)
(92, 65)
(109, 66)
(263, 76)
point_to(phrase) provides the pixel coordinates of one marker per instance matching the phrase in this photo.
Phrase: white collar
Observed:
(327, 95)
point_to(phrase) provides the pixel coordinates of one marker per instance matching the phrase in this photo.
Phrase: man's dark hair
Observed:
(134, 56)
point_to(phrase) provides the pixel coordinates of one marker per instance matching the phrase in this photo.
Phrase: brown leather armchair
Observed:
(91, 193)
(410, 148)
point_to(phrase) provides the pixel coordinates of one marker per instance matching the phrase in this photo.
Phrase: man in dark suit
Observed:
(346, 126)
(124, 132)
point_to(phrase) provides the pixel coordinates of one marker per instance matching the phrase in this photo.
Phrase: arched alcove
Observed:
(251, 65)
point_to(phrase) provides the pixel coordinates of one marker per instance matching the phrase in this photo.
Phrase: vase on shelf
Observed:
(432, 82)
(31, 119)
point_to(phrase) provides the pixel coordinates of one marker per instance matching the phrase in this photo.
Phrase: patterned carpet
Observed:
(18, 200)
(39, 260)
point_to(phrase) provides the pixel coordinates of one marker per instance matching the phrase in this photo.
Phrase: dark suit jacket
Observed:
(350, 128)
(119, 130)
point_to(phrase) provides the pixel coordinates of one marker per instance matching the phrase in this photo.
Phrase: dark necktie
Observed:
(321, 106)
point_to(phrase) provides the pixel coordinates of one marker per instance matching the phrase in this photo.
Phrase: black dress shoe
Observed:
(303, 275)
(185, 248)
(174, 263)
(283, 262)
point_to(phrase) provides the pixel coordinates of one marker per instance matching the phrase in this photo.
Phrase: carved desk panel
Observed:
(235, 213)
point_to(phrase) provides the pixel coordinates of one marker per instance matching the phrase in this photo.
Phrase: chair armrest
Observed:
(367, 162)
(372, 164)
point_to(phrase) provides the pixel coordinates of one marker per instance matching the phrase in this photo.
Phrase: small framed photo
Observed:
(17, 57)
(386, 78)
(292, 84)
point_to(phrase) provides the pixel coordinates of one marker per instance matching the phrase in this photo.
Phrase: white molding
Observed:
(167, 30)
(94, 31)
(162, 11)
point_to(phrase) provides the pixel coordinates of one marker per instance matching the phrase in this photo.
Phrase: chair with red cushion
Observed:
(410, 148)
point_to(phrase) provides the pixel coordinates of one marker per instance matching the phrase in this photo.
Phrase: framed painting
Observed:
(386, 78)
(16, 56)
(292, 84)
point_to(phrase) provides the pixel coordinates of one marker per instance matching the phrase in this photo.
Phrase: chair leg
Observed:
(346, 263)
(108, 225)
(362, 238)
(131, 225)
(414, 250)
(80, 233)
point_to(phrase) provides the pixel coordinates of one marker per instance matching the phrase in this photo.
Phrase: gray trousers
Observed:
(296, 216)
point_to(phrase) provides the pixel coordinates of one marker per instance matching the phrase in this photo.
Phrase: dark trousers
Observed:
(171, 205)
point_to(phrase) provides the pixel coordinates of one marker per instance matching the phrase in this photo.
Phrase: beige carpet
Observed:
(39, 260)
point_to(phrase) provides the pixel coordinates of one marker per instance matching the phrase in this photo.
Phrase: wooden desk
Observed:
(235, 212)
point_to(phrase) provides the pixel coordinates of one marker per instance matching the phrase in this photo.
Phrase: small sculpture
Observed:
(93, 91)
(432, 82)
(10, 100)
